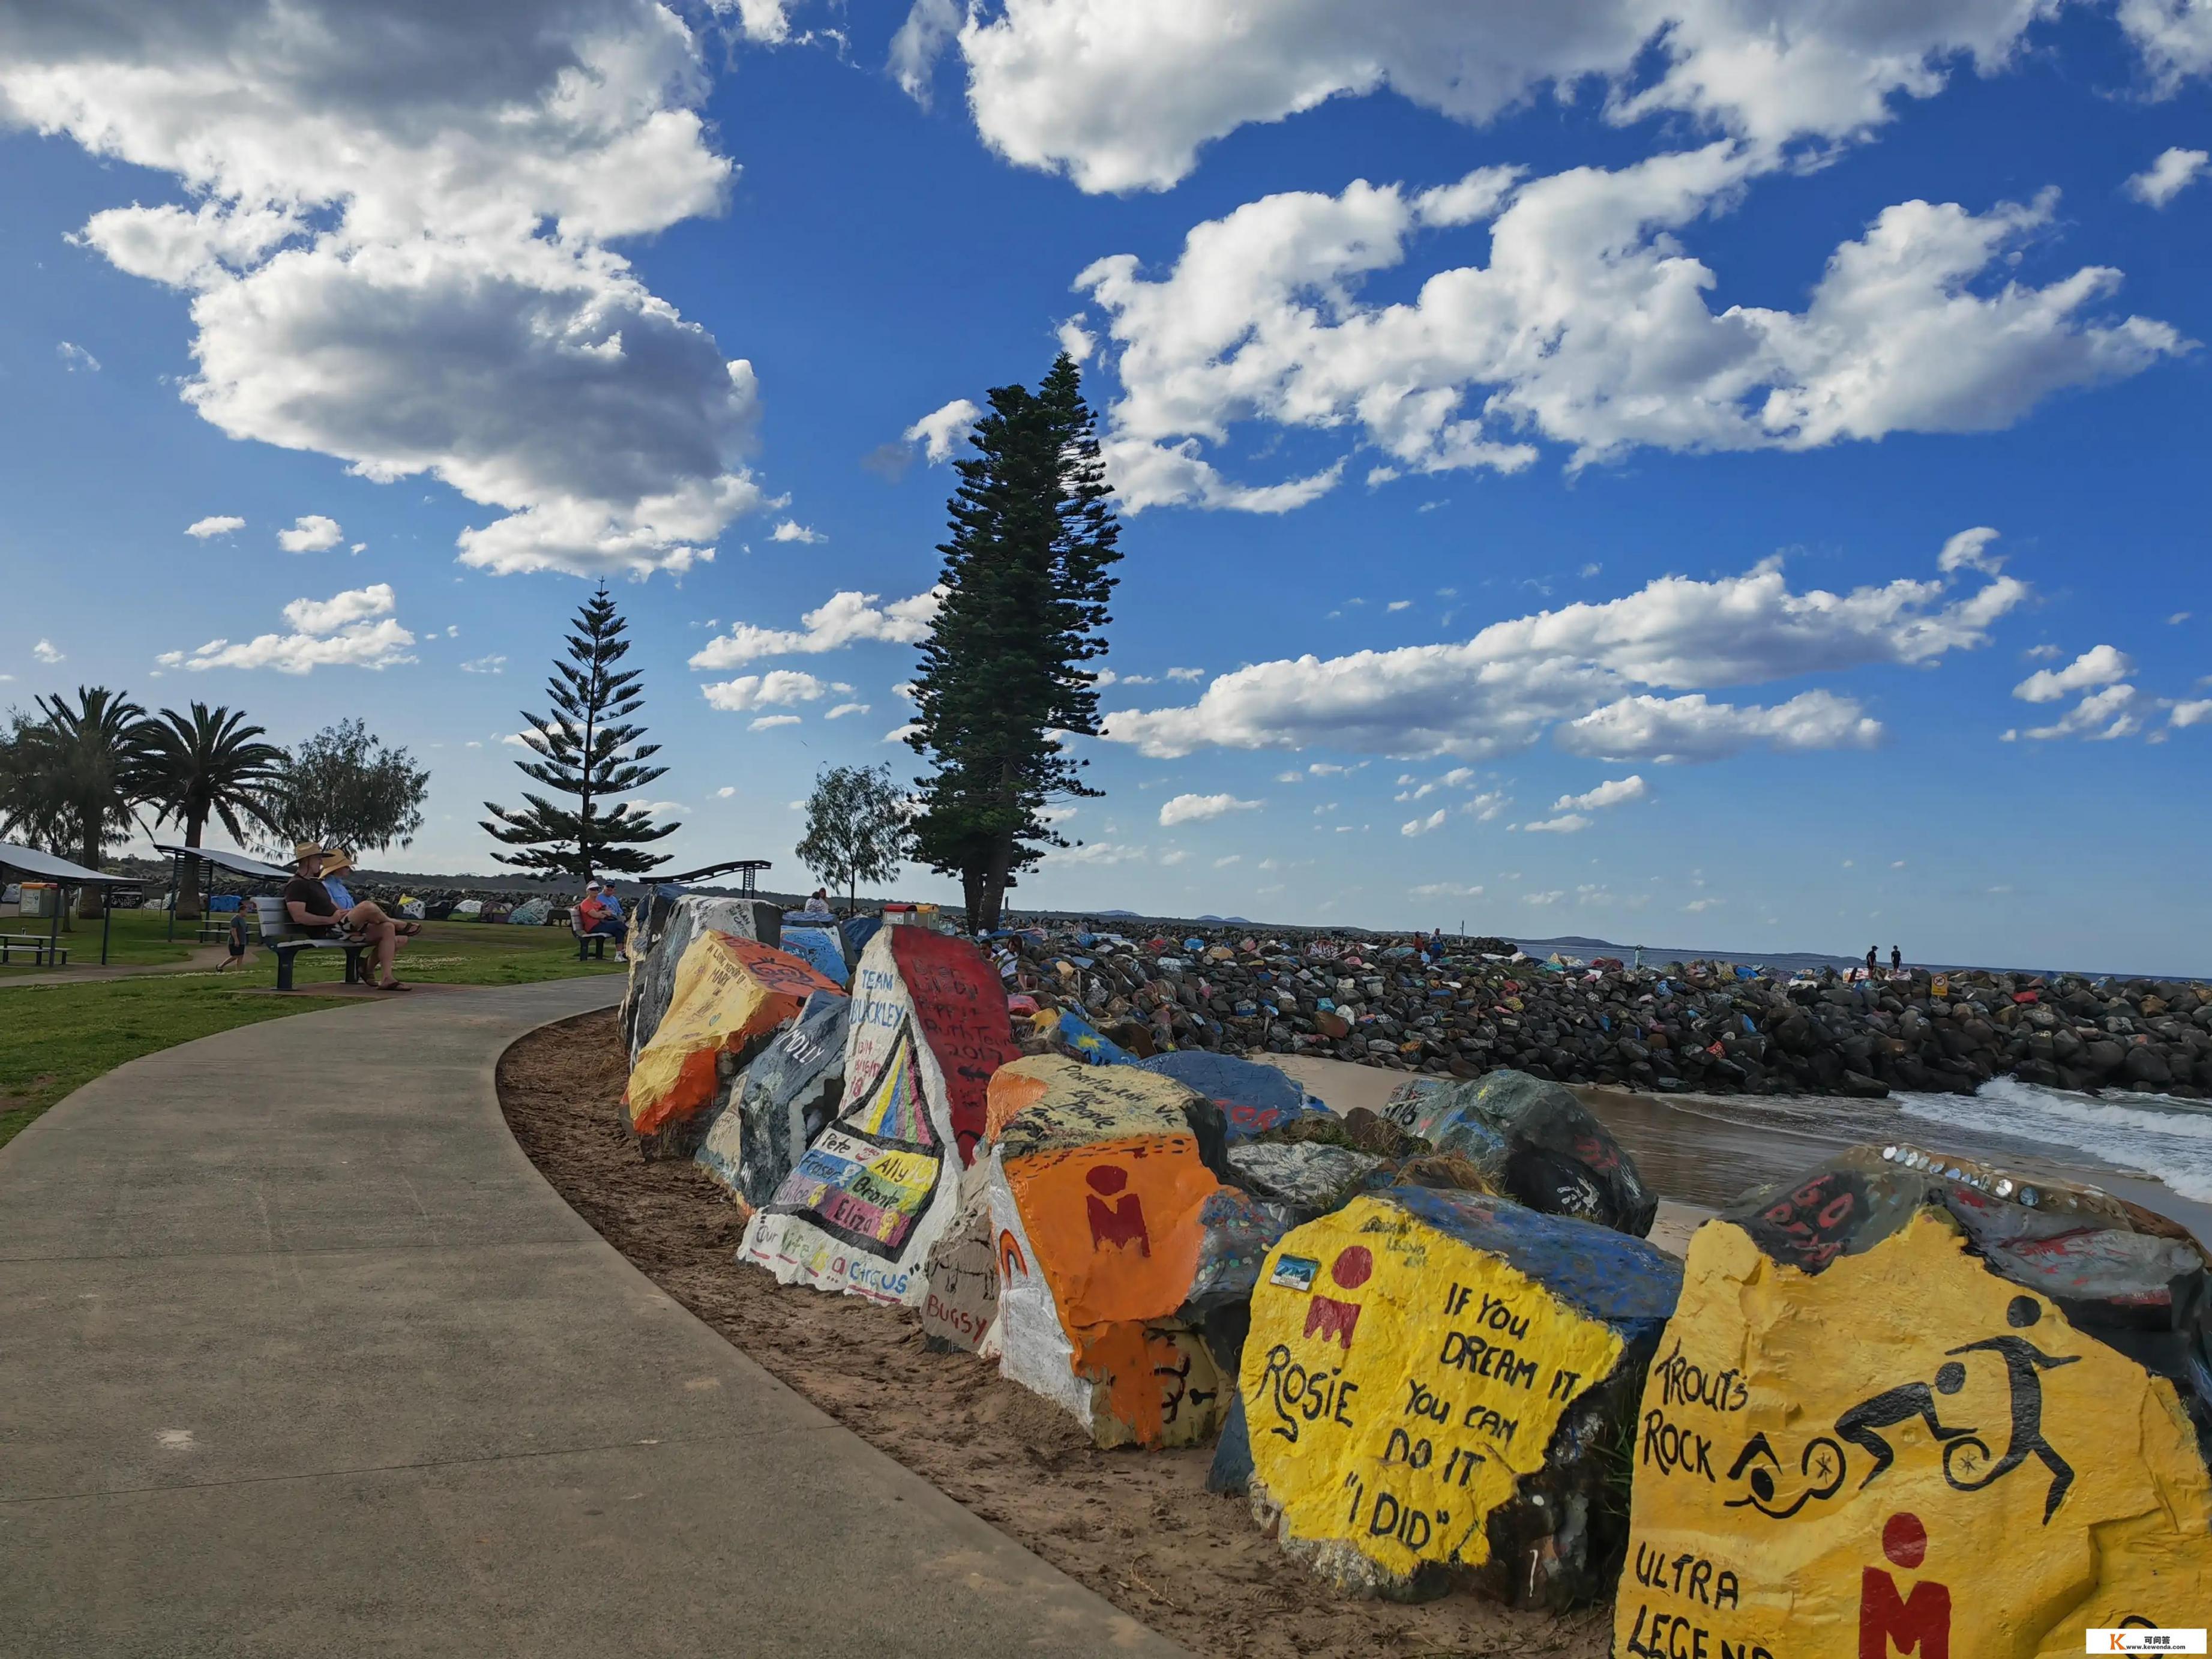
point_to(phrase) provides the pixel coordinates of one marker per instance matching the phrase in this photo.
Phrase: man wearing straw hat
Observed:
(313, 910)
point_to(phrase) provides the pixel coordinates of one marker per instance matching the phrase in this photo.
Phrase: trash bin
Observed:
(39, 899)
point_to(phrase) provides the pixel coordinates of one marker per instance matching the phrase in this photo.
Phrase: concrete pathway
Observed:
(299, 1356)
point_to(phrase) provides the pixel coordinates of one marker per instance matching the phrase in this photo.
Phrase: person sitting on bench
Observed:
(309, 907)
(600, 914)
(338, 861)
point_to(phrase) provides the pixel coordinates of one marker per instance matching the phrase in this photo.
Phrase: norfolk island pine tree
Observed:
(586, 749)
(1027, 577)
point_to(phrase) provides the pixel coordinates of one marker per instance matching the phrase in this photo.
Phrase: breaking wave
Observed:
(2157, 1135)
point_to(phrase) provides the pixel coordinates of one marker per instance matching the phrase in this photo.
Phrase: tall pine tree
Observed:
(1027, 578)
(585, 750)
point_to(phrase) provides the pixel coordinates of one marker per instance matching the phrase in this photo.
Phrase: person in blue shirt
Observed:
(339, 862)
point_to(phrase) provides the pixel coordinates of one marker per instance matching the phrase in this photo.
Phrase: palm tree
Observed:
(80, 770)
(207, 764)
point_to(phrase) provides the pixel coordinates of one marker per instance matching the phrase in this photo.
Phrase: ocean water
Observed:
(2154, 1134)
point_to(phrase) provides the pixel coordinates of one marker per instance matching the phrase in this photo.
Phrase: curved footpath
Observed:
(299, 1356)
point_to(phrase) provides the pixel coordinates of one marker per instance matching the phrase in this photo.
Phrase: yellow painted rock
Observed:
(1896, 1413)
(1434, 1388)
(730, 994)
(1047, 1101)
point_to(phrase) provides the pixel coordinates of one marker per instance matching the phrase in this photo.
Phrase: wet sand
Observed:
(1702, 1152)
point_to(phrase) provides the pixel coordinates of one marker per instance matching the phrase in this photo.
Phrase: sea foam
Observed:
(2157, 1135)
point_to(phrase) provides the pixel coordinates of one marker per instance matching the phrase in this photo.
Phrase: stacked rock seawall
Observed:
(1707, 1026)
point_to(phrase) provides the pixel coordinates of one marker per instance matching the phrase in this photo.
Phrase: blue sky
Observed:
(1613, 404)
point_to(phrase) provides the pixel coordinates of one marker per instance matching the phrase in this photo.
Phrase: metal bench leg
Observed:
(284, 969)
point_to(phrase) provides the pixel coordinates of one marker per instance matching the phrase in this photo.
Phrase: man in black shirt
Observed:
(310, 908)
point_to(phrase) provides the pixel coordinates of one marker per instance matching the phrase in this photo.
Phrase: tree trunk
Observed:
(994, 884)
(88, 904)
(971, 891)
(188, 879)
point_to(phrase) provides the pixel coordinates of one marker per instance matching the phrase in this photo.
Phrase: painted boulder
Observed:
(785, 1099)
(881, 1184)
(815, 940)
(1535, 1141)
(1044, 1103)
(1912, 1404)
(1098, 1180)
(959, 1304)
(1253, 1098)
(1097, 1247)
(1435, 1390)
(1308, 1178)
(661, 929)
(731, 995)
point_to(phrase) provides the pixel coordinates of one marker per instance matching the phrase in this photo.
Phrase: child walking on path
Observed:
(237, 957)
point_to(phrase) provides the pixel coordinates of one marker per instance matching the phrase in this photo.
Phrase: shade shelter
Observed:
(215, 859)
(27, 863)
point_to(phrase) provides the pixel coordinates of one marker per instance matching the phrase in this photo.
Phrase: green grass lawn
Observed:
(137, 936)
(55, 1037)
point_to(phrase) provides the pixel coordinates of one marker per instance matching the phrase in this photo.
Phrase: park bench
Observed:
(280, 936)
(590, 947)
(44, 953)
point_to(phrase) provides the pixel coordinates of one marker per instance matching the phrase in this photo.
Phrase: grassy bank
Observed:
(54, 1038)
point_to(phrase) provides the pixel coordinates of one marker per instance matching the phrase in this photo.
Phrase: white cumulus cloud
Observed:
(398, 246)
(1566, 825)
(1502, 689)
(778, 687)
(220, 524)
(767, 722)
(45, 651)
(1691, 729)
(1612, 792)
(1194, 809)
(76, 357)
(2100, 717)
(1589, 327)
(2173, 171)
(1422, 826)
(311, 532)
(846, 617)
(941, 431)
(2098, 665)
(1120, 94)
(352, 630)
(792, 531)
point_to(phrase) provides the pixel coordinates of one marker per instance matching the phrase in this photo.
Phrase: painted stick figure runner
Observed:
(2022, 1360)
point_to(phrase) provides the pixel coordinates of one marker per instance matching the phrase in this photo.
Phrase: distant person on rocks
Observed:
(817, 903)
(1870, 961)
(311, 908)
(1896, 960)
(601, 915)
